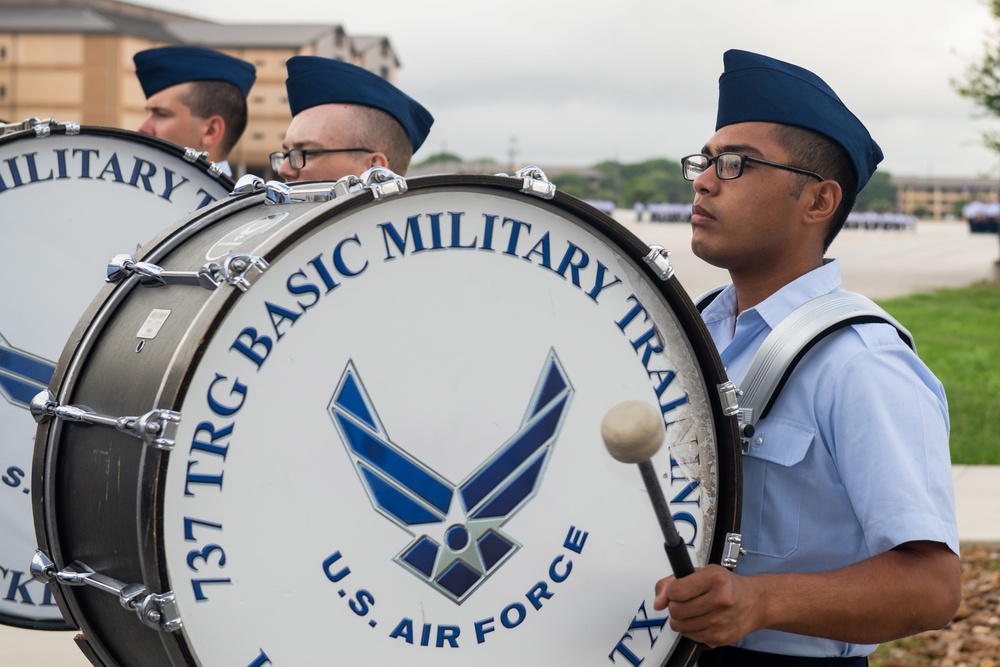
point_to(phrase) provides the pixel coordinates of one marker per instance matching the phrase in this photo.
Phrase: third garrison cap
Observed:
(758, 88)
(167, 66)
(313, 80)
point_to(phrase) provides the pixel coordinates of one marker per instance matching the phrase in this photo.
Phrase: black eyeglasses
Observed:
(297, 156)
(730, 165)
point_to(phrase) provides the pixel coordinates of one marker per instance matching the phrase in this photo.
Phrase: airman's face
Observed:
(169, 118)
(324, 127)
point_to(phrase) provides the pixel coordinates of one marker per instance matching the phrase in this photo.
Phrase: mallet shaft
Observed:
(673, 544)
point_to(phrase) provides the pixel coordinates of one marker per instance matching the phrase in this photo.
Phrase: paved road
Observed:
(877, 263)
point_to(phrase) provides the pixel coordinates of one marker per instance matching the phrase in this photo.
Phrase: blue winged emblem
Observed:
(22, 374)
(457, 538)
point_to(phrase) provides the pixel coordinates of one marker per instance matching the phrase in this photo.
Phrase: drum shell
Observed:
(118, 536)
(69, 204)
(121, 534)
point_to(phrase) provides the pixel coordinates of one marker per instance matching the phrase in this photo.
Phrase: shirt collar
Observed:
(773, 309)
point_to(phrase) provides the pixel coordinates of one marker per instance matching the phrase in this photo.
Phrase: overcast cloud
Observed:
(574, 82)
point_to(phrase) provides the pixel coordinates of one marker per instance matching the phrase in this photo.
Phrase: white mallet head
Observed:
(633, 431)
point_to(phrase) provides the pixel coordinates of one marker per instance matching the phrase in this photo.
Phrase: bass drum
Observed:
(71, 197)
(378, 438)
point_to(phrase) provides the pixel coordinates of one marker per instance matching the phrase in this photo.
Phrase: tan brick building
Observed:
(72, 60)
(940, 198)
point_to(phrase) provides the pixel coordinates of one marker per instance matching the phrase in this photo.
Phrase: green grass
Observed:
(957, 332)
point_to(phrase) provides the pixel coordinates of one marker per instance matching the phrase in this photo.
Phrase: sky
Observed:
(576, 82)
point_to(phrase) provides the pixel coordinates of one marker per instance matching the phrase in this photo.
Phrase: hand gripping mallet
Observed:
(633, 432)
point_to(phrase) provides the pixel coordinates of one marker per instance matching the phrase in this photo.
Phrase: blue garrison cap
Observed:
(167, 66)
(757, 88)
(313, 81)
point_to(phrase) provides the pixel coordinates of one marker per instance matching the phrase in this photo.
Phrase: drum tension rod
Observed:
(156, 610)
(156, 428)
(239, 270)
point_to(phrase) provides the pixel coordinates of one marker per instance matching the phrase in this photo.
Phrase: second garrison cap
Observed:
(167, 66)
(758, 88)
(313, 80)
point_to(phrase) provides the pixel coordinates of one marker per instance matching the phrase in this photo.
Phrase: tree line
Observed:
(659, 180)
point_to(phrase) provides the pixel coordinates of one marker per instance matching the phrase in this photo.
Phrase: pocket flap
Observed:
(782, 441)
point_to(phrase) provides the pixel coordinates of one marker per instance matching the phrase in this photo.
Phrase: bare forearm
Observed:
(896, 594)
(912, 588)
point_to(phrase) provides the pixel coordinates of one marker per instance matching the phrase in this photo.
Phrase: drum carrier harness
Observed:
(788, 343)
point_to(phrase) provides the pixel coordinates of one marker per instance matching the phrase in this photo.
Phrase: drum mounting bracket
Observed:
(156, 610)
(192, 155)
(734, 549)
(658, 259)
(383, 182)
(729, 393)
(156, 428)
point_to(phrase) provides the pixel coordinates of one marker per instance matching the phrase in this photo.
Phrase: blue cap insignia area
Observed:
(456, 546)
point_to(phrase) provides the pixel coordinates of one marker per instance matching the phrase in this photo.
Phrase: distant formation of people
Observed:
(872, 220)
(982, 216)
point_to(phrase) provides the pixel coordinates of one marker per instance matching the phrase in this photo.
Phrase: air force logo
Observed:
(455, 546)
(22, 374)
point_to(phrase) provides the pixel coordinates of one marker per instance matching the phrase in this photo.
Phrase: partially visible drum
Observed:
(315, 421)
(70, 198)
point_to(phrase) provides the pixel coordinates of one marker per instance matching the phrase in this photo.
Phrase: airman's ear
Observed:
(378, 160)
(212, 131)
(825, 199)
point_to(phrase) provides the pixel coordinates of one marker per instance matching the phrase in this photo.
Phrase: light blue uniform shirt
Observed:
(852, 459)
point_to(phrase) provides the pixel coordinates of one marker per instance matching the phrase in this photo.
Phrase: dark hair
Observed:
(220, 98)
(380, 132)
(813, 151)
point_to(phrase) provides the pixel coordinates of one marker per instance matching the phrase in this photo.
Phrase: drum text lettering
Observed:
(17, 587)
(13, 477)
(573, 262)
(260, 660)
(87, 163)
(652, 627)
(649, 345)
(690, 487)
(509, 618)
(207, 436)
(211, 556)
(256, 346)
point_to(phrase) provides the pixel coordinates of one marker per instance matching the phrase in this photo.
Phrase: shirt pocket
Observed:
(773, 484)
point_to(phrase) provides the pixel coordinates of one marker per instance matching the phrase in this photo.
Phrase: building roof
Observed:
(247, 35)
(112, 17)
(362, 43)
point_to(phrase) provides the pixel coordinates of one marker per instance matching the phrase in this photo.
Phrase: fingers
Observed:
(705, 606)
(661, 599)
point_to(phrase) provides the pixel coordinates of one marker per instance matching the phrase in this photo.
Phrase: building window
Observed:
(3, 53)
(384, 72)
(258, 136)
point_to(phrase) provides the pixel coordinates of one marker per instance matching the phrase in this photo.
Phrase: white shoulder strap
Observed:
(792, 338)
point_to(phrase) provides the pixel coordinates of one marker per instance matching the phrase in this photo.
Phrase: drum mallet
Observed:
(633, 432)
